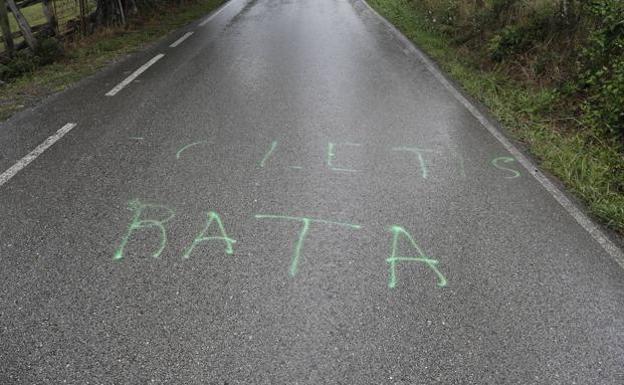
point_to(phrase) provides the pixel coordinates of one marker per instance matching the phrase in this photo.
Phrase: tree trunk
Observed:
(121, 11)
(82, 5)
(110, 12)
(23, 25)
(132, 8)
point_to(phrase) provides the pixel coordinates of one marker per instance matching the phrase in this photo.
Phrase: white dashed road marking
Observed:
(134, 75)
(25, 161)
(207, 20)
(180, 40)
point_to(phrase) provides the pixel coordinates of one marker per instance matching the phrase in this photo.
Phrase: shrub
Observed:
(602, 67)
(505, 43)
(23, 62)
(48, 50)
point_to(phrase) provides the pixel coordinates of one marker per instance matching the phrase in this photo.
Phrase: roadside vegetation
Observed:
(56, 64)
(551, 71)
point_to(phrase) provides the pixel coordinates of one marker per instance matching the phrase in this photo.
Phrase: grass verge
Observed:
(86, 55)
(588, 162)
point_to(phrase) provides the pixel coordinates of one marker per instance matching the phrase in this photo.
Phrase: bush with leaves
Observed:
(25, 61)
(602, 67)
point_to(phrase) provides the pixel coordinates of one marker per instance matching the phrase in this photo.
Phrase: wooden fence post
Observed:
(83, 16)
(7, 36)
(50, 16)
(23, 25)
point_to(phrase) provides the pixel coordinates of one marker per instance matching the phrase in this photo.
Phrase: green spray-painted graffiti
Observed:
(138, 223)
(184, 148)
(154, 217)
(462, 168)
(201, 237)
(423, 157)
(505, 159)
(294, 263)
(396, 258)
(419, 155)
(331, 155)
(268, 153)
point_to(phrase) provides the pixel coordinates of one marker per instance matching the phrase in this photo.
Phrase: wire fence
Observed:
(70, 13)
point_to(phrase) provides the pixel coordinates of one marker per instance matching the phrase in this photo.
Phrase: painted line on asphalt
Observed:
(26, 160)
(611, 248)
(210, 17)
(134, 75)
(180, 40)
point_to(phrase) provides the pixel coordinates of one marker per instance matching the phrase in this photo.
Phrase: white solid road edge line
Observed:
(180, 40)
(134, 75)
(210, 17)
(25, 161)
(559, 196)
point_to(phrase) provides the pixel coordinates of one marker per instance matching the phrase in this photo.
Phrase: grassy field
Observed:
(86, 55)
(590, 164)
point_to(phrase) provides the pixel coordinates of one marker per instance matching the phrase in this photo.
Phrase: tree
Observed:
(115, 12)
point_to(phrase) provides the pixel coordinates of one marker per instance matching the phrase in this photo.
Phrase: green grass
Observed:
(587, 161)
(86, 55)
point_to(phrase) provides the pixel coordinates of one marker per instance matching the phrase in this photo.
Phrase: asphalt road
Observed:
(290, 196)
